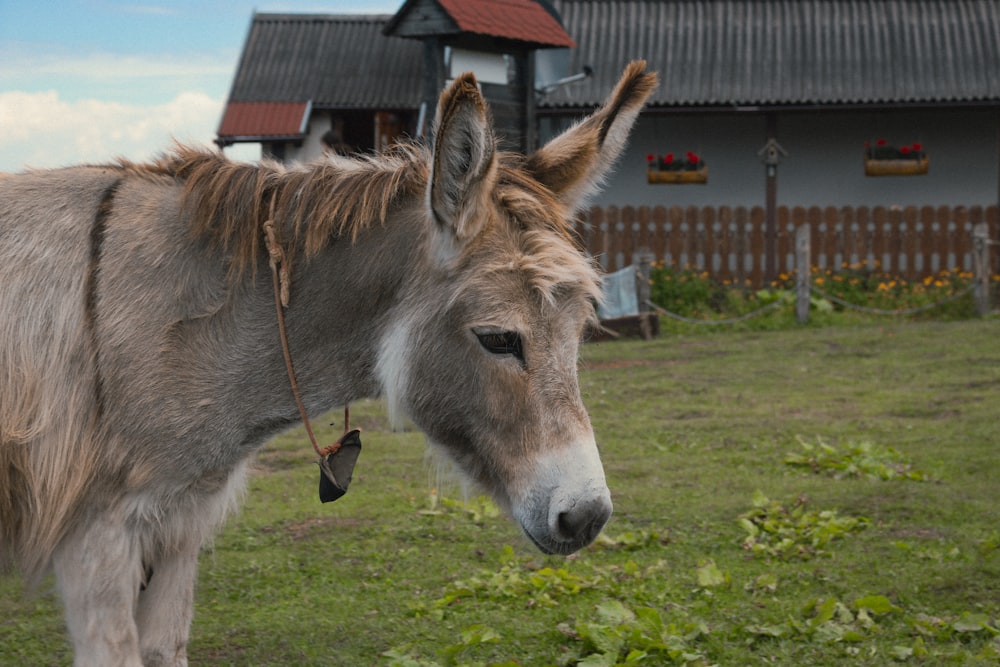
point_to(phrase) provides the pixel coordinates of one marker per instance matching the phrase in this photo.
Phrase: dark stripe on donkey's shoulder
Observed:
(97, 232)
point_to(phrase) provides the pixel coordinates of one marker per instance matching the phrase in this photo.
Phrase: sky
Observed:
(93, 80)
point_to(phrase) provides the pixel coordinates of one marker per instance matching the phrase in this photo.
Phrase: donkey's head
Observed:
(483, 352)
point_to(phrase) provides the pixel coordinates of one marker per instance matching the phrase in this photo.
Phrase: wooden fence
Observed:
(729, 242)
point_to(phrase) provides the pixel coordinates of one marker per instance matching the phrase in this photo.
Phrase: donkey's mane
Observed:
(228, 203)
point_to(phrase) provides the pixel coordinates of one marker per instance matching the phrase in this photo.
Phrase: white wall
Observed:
(311, 147)
(825, 163)
(962, 147)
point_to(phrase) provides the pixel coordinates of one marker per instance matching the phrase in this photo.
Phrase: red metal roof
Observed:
(255, 120)
(523, 20)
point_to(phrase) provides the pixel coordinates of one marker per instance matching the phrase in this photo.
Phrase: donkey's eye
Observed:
(502, 342)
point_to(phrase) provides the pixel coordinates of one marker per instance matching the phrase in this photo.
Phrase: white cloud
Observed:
(42, 130)
(26, 64)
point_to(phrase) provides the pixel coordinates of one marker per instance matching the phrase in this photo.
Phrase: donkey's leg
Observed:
(166, 606)
(98, 571)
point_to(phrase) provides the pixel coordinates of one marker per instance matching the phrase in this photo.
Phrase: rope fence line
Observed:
(903, 311)
(733, 320)
(815, 290)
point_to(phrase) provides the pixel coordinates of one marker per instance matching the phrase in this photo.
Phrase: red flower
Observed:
(917, 147)
(668, 158)
(692, 157)
(880, 142)
(650, 157)
(905, 150)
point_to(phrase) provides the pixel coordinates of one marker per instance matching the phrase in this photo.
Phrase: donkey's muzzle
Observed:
(571, 525)
(336, 468)
(583, 523)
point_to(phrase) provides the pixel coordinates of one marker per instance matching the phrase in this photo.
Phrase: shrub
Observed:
(694, 294)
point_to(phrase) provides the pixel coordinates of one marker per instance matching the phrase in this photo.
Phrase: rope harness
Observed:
(336, 462)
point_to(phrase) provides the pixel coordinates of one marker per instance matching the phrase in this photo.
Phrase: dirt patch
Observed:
(305, 529)
(268, 462)
(982, 384)
(925, 413)
(690, 414)
(628, 363)
(915, 533)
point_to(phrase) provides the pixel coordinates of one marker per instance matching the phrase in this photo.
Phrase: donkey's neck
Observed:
(342, 301)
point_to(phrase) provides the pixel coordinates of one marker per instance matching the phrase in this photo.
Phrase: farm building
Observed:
(877, 116)
(368, 79)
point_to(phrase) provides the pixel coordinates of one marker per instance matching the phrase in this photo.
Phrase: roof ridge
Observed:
(338, 18)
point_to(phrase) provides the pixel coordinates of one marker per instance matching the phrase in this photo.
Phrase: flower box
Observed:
(677, 175)
(667, 169)
(896, 167)
(885, 160)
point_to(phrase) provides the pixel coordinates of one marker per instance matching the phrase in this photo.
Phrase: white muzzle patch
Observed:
(568, 503)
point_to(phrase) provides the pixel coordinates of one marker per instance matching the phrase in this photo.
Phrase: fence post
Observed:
(644, 271)
(981, 267)
(802, 269)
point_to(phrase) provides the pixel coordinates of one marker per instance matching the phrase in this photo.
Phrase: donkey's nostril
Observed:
(584, 521)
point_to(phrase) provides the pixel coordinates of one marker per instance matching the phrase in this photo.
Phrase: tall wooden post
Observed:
(771, 155)
(803, 264)
(771, 206)
(981, 267)
(527, 61)
(434, 77)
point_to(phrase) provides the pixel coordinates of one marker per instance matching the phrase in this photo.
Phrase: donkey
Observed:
(140, 363)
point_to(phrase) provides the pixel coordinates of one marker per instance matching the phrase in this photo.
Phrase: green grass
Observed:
(875, 449)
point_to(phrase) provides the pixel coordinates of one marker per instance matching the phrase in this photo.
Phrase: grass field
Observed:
(820, 496)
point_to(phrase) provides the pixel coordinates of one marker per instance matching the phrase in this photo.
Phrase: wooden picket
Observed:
(729, 242)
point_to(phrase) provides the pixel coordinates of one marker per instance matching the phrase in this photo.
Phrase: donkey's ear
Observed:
(574, 164)
(464, 169)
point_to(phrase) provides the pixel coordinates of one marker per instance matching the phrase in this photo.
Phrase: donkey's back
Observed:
(49, 237)
(108, 472)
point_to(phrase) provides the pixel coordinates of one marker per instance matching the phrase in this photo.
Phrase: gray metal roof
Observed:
(337, 61)
(787, 52)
